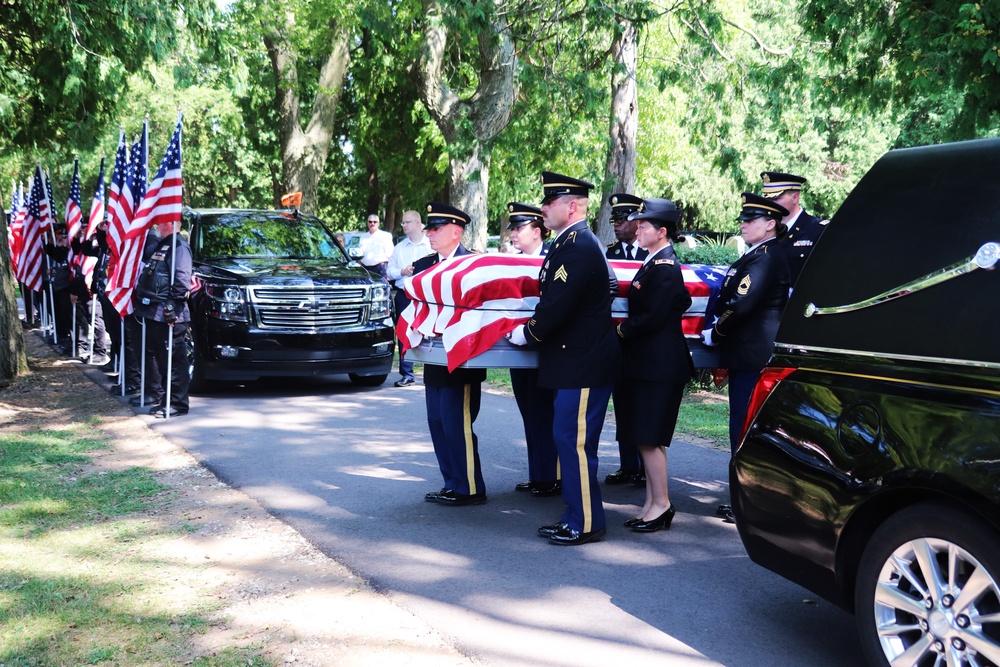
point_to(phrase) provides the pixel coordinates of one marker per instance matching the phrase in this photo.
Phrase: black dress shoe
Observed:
(661, 522)
(524, 486)
(148, 400)
(549, 531)
(639, 479)
(631, 522)
(175, 411)
(546, 489)
(433, 495)
(404, 382)
(620, 477)
(723, 510)
(569, 537)
(729, 518)
(450, 497)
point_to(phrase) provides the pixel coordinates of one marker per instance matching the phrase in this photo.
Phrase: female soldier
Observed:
(749, 308)
(657, 361)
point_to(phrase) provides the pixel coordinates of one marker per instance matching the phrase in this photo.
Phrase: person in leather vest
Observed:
(161, 301)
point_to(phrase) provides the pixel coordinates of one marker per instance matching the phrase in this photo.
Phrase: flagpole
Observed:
(93, 326)
(121, 358)
(72, 334)
(142, 367)
(170, 327)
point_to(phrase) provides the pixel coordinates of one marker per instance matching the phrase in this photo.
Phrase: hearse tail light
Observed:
(768, 380)
(380, 305)
(228, 302)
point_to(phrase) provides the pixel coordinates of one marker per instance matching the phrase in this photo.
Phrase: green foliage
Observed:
(708, 251)
(915, 51)
(63, 66)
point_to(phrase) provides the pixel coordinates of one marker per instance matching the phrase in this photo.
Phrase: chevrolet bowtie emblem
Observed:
(561, 274)
(314, 306)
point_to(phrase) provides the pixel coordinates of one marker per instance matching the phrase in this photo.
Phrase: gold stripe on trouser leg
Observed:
(470, 458)
(581, 457)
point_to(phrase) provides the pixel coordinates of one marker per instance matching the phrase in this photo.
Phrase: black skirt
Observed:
(646, 412)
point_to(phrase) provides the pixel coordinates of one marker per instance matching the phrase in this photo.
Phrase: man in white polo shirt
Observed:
(376, 247)
(414, 246)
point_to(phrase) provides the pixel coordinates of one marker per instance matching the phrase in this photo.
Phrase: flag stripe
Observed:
(473, 300)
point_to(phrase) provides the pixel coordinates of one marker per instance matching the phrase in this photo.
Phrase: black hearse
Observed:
(279, 297)
(869, 471)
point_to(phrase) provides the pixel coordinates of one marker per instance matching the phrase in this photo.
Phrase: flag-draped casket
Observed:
(462, 308)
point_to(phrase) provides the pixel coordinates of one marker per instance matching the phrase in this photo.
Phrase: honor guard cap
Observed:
(521, 214)
(776, 182)
(623, 205)
(557, 185)
(443, 214)
(755, 206)
(658, 211)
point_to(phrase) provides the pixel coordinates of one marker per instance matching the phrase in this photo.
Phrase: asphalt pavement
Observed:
(348, 468)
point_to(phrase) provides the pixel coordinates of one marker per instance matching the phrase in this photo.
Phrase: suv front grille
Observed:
(308, 308)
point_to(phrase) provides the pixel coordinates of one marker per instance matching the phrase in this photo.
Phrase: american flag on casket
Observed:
(471, 302)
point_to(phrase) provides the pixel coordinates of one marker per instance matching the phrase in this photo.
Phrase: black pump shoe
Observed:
(661, 522)
(631, 522)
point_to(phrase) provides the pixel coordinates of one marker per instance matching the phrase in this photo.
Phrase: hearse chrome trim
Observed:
(985, 258)
(785, 347)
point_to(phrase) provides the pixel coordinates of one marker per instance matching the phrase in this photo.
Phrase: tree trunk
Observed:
(468, 126)
(619, 170)
(304, 152)
(12, 356)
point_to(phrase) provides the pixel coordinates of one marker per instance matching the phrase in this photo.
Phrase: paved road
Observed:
(348, 468)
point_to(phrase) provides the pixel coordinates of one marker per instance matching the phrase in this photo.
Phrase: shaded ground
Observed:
(276, 591)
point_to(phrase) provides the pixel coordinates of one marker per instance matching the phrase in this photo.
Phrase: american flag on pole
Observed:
(472, 301)
(74, 214)
(15, 226)
(30, 261)
(97, 204)
(162, 204)
(51, 203)
(117, 218)
(45, 212)
(85, 264)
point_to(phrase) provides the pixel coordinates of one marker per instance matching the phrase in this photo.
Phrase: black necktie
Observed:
(628, 252)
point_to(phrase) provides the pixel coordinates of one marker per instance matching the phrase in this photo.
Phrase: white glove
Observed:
(706, 336)
(516, 337)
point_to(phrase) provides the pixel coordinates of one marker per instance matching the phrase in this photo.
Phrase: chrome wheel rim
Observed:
(936, 605)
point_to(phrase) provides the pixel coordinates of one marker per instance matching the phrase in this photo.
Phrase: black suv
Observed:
(279, 297)
(869, 471)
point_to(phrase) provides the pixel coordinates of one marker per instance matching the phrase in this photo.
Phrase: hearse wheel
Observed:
(927, 590)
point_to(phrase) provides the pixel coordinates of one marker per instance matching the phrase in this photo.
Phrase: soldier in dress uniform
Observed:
(578, 352)
(804, 230)
(528, 234)
(625, 247)
(657, 362)
(749, 307)
(452, 399)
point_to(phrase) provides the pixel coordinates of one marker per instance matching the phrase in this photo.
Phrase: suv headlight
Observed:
(380, 306)
(228, 302)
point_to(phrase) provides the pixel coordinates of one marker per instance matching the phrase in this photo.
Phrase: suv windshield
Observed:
(278, 235)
